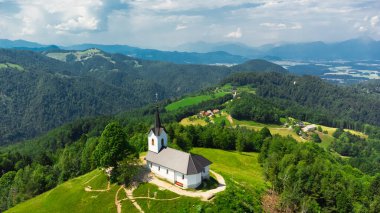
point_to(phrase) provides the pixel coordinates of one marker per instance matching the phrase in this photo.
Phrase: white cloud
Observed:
(180, 27)
(374, 21)
(235, 34)
(80, 23)
(362, 29)
(282, 26)
(149, 23)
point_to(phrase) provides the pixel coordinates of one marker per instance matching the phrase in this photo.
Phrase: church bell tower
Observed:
(157, 138)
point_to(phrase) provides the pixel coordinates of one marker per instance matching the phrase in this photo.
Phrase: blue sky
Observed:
(164, 24)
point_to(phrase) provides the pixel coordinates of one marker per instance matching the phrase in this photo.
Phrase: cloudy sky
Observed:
(167, 23)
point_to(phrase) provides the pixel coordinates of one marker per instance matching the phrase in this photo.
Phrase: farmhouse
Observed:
(180, 168)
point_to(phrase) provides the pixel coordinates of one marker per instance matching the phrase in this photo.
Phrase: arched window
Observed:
(152, 142)
(162, 142)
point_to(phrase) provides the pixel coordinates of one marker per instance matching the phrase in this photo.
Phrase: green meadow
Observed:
(188, 101)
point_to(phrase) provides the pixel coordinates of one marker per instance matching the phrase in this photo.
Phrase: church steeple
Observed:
(157, 138)
(157, 122)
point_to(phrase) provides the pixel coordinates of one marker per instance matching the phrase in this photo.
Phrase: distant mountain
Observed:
(363, 48)
(40, 91)
(214, 57)
(259, 65)
(355, 49)
(232, 48)
(5, 43)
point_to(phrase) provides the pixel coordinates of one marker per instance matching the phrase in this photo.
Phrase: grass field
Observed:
(188, 101)
(10, 65)
(242, 168)
(193, 120)
(71, 197)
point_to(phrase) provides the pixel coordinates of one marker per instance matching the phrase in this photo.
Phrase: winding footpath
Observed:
(150, 178)
(204, 195)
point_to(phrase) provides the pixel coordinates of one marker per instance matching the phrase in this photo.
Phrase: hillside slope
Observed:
(71, 196)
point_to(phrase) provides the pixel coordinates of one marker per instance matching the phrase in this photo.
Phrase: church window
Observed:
(183, 176)
(152, 142)
(162, 142)
(159, 167)
(150, 165)
(167, 171)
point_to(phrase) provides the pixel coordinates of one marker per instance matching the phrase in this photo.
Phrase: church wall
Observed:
(206, 173)
(162, 171)
(189, 181)
(194, 181)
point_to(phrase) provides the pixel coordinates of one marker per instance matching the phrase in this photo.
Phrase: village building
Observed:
(216, 111)
(180, 168)
(309, 128)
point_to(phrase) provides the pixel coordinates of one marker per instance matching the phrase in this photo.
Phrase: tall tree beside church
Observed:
(113, 146)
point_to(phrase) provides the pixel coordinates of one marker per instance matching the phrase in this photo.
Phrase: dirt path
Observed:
(204, 195)
(229, 117)
(91, 179)
(129, 193)
(118, 202)
(89, 189)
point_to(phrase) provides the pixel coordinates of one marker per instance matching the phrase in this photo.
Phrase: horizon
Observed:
(167, 24)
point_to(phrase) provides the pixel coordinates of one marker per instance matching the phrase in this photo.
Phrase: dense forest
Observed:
(38, 93)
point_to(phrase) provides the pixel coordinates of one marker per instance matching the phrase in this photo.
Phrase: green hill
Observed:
(71, 196)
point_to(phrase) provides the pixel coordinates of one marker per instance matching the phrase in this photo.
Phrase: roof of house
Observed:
(179, 161)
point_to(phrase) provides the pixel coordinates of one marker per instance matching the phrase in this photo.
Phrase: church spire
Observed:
(157, 122)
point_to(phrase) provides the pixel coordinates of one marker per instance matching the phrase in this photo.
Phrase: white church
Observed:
(180, 168)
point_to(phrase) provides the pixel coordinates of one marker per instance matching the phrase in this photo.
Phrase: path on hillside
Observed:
(129, 193)
(89, 189)
(229, 117)
(118, 202)
(204, 195)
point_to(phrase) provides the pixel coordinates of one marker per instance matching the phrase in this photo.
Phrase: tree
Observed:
(338, 132)
(265, 132)
(113, 146)
(126, 170)
(315, 138)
